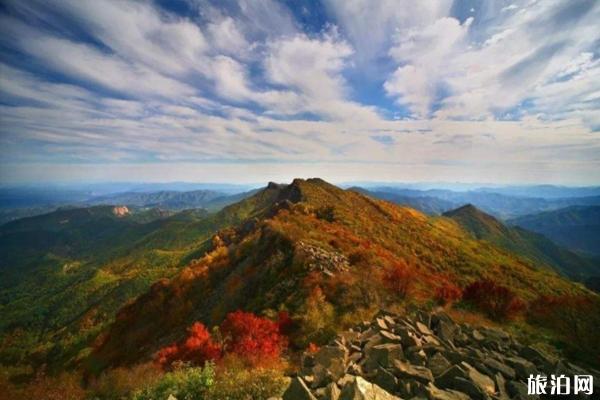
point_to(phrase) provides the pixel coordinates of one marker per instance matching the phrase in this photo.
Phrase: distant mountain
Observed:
(543, 191)
(427, 204)
(311, 244)
(171, 200)
(576, 227)
(500, 205)
(527, 244)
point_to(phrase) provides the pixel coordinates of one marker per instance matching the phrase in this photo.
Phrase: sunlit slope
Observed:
(312, 243)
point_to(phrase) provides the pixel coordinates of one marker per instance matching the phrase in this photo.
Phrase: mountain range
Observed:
(106, 286)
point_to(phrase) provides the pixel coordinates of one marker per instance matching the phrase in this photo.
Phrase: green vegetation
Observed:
(527, 244)
(575, 227)
(322, 257)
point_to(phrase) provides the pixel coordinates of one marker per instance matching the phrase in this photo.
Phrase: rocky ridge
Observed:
(424, 356)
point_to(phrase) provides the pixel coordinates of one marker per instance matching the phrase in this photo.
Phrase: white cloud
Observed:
(235, 86)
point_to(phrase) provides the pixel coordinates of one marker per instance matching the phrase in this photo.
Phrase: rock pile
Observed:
(321, 260)
(425, 356)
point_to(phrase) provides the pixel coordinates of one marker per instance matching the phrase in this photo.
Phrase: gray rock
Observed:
(381, 324)
(446, 329)
(332, 392)
(433, 393)
(477, 335)
(539, 357)
(388, 337)
(446, 379)
(438, 364)
(522, 367)
(383, 354)
(518, 390)
(501, 394)
(484, 382)
(497, 366)
(470, 388)
(408, 371)
(423, 329)
(386, 380)
(360, 389)
(297, 390)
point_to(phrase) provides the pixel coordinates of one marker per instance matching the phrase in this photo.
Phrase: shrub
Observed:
(197, 348)
(497, 301)
(120, 383)
(447, 293)
(66, 386)
(235, 383)
(318, 319)
(191, 383)
(575, 318)
(254, 339)
(397, 279)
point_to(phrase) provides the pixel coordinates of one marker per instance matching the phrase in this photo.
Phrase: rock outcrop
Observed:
(424, 356)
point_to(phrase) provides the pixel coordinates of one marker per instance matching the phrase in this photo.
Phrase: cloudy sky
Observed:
(255, 90)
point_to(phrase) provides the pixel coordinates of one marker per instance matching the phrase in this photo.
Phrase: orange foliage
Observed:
(497, 301)
(197, 348)
(312, 348)
(398, 279)
(447, 293)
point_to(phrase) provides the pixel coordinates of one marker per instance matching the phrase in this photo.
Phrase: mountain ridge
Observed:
(265, 264)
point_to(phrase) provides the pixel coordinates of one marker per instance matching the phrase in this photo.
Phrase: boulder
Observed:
(433, 393)
(383, 354)
(438, 364)
(522, 367)
(408, 371)
(484, 382)
(497, 366)
(385, 379)
(360, 389)
(297, 390)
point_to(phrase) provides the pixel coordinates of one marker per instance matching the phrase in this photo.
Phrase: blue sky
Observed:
(249, 91)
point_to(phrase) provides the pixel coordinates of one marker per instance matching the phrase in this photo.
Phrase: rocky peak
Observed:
(120, 211)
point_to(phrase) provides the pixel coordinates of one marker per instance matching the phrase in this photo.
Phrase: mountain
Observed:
(528, 244)
(63, 275)
(322, 254)
(427, 204)
(172, 200)
(576, 227)
(503, 206)
(543, 191)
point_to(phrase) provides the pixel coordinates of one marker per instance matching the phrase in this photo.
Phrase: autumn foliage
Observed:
(255, 340)
(197, 348)
(397, 279)
(498, 302)
(447, 293)
(575, 318)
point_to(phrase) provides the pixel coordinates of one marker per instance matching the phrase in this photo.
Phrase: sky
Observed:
(501, 91)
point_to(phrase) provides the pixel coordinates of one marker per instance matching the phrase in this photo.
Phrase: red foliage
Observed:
(312, 348)
(197, 348)
(398, 279)
(254, 339)
(497, 301)
(447, 293)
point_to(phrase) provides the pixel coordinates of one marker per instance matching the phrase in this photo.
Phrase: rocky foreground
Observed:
(425, 356)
